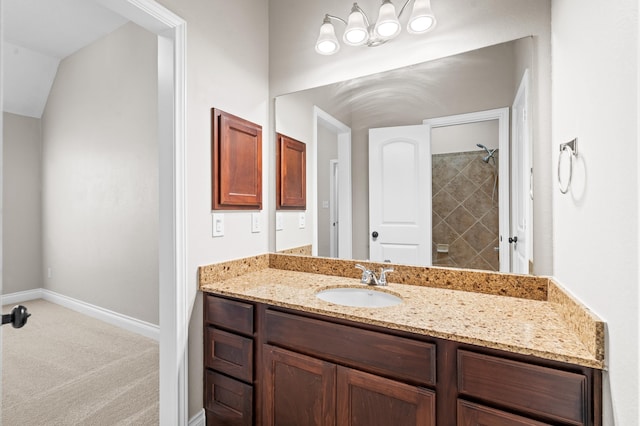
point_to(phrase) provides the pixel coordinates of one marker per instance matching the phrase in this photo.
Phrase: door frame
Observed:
(173, 295)
(502, 115)
(522, 97)
(334, 190)
(343, 132)
(172, 242)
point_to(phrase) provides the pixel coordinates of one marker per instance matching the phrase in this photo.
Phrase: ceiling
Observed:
(37, 35)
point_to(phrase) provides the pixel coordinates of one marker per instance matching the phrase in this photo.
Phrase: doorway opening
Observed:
(502, 117)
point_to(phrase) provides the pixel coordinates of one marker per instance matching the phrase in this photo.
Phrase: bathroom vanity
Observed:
(275, 354)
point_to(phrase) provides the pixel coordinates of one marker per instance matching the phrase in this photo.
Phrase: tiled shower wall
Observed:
(465, 211)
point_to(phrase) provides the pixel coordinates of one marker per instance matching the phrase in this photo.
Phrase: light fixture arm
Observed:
(335, 18)
(402, 8)
(364, 14)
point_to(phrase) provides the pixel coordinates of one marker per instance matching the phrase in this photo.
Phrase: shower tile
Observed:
(460, 220)
(444, 234)
(460, 187)
(479, 171)
(460, 160)
(478, 204)
(435, 219)
(478, 237)
(491, 256)
(442, 175)
(461, 253)
(444, 203)
(488, 186)
(479, 262)
(491, 219)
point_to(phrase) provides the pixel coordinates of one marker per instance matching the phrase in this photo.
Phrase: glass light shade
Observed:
(422, 18)
(387, 26)
(327, 43)
(356, 32)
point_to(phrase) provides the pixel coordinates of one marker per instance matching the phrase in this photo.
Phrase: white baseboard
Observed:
(199, 419)
(114, 318)
(21, 296)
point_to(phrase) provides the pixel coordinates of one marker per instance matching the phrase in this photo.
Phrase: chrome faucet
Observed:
(369, 277)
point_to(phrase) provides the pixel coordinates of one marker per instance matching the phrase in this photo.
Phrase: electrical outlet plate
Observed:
(302, 220)
(279, 221)
(255, 222)
(218, 224)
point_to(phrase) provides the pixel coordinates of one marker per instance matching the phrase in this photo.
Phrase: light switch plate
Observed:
(302, 220)
(279, 221)
(218, 225)
(255, 222)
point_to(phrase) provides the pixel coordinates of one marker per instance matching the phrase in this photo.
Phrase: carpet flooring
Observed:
(65, 368)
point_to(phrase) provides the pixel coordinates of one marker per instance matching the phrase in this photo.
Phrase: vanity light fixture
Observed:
(359, 31)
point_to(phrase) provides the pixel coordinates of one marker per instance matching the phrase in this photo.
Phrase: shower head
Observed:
(489, 155)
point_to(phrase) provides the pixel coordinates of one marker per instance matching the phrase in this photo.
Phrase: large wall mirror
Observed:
(437, 154)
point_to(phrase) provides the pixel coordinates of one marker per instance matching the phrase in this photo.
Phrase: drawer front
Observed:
(229, 353)
(229, 314)
(227, 401)
(555, 394)
(379, 353)
(470, 414)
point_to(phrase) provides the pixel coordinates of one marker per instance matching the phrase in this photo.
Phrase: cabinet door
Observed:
(470, 414)
(368, 400)
(227, 401)
(236, 163)
(298, 390)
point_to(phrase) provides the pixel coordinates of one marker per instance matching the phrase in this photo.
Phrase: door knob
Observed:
(513, 240)
(17, 317)
(374, 234)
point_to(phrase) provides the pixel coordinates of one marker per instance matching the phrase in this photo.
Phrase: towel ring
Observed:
(572, 149)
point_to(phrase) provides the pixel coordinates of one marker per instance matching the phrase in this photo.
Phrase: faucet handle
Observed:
(366, 274)
(383, 275)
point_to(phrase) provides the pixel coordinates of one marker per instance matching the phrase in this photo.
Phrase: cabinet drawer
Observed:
(229, 353)
(470, 414)
(379, 353)
(229, 314)
(555, 394)
(227, 401)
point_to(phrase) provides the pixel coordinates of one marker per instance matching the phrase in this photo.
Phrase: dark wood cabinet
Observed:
(303, 390)
(277, 366)
(368, 400)
(227, 401)
(229, 362)
(236, 157)
(291, 175)
(539, 391)
(470, 414)
(298, 389)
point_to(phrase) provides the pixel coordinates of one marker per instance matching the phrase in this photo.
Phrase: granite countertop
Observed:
(550, 325)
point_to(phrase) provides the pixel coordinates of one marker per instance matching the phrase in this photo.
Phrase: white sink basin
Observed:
(358, 297)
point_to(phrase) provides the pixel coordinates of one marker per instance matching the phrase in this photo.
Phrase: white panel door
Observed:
(400, 195)
(521, 192)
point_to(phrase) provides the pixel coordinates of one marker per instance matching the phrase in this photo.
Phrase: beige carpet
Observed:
(64, 368)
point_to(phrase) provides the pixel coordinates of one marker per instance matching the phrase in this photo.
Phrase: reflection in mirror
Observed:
(457, 98)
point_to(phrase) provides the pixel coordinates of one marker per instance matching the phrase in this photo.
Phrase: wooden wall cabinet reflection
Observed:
(291, 178)
(236, 163)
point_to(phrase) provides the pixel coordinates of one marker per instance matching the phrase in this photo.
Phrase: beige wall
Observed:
(21, 201)
(100, 175)
(596, 224)
(327, 151)
(227, 68)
